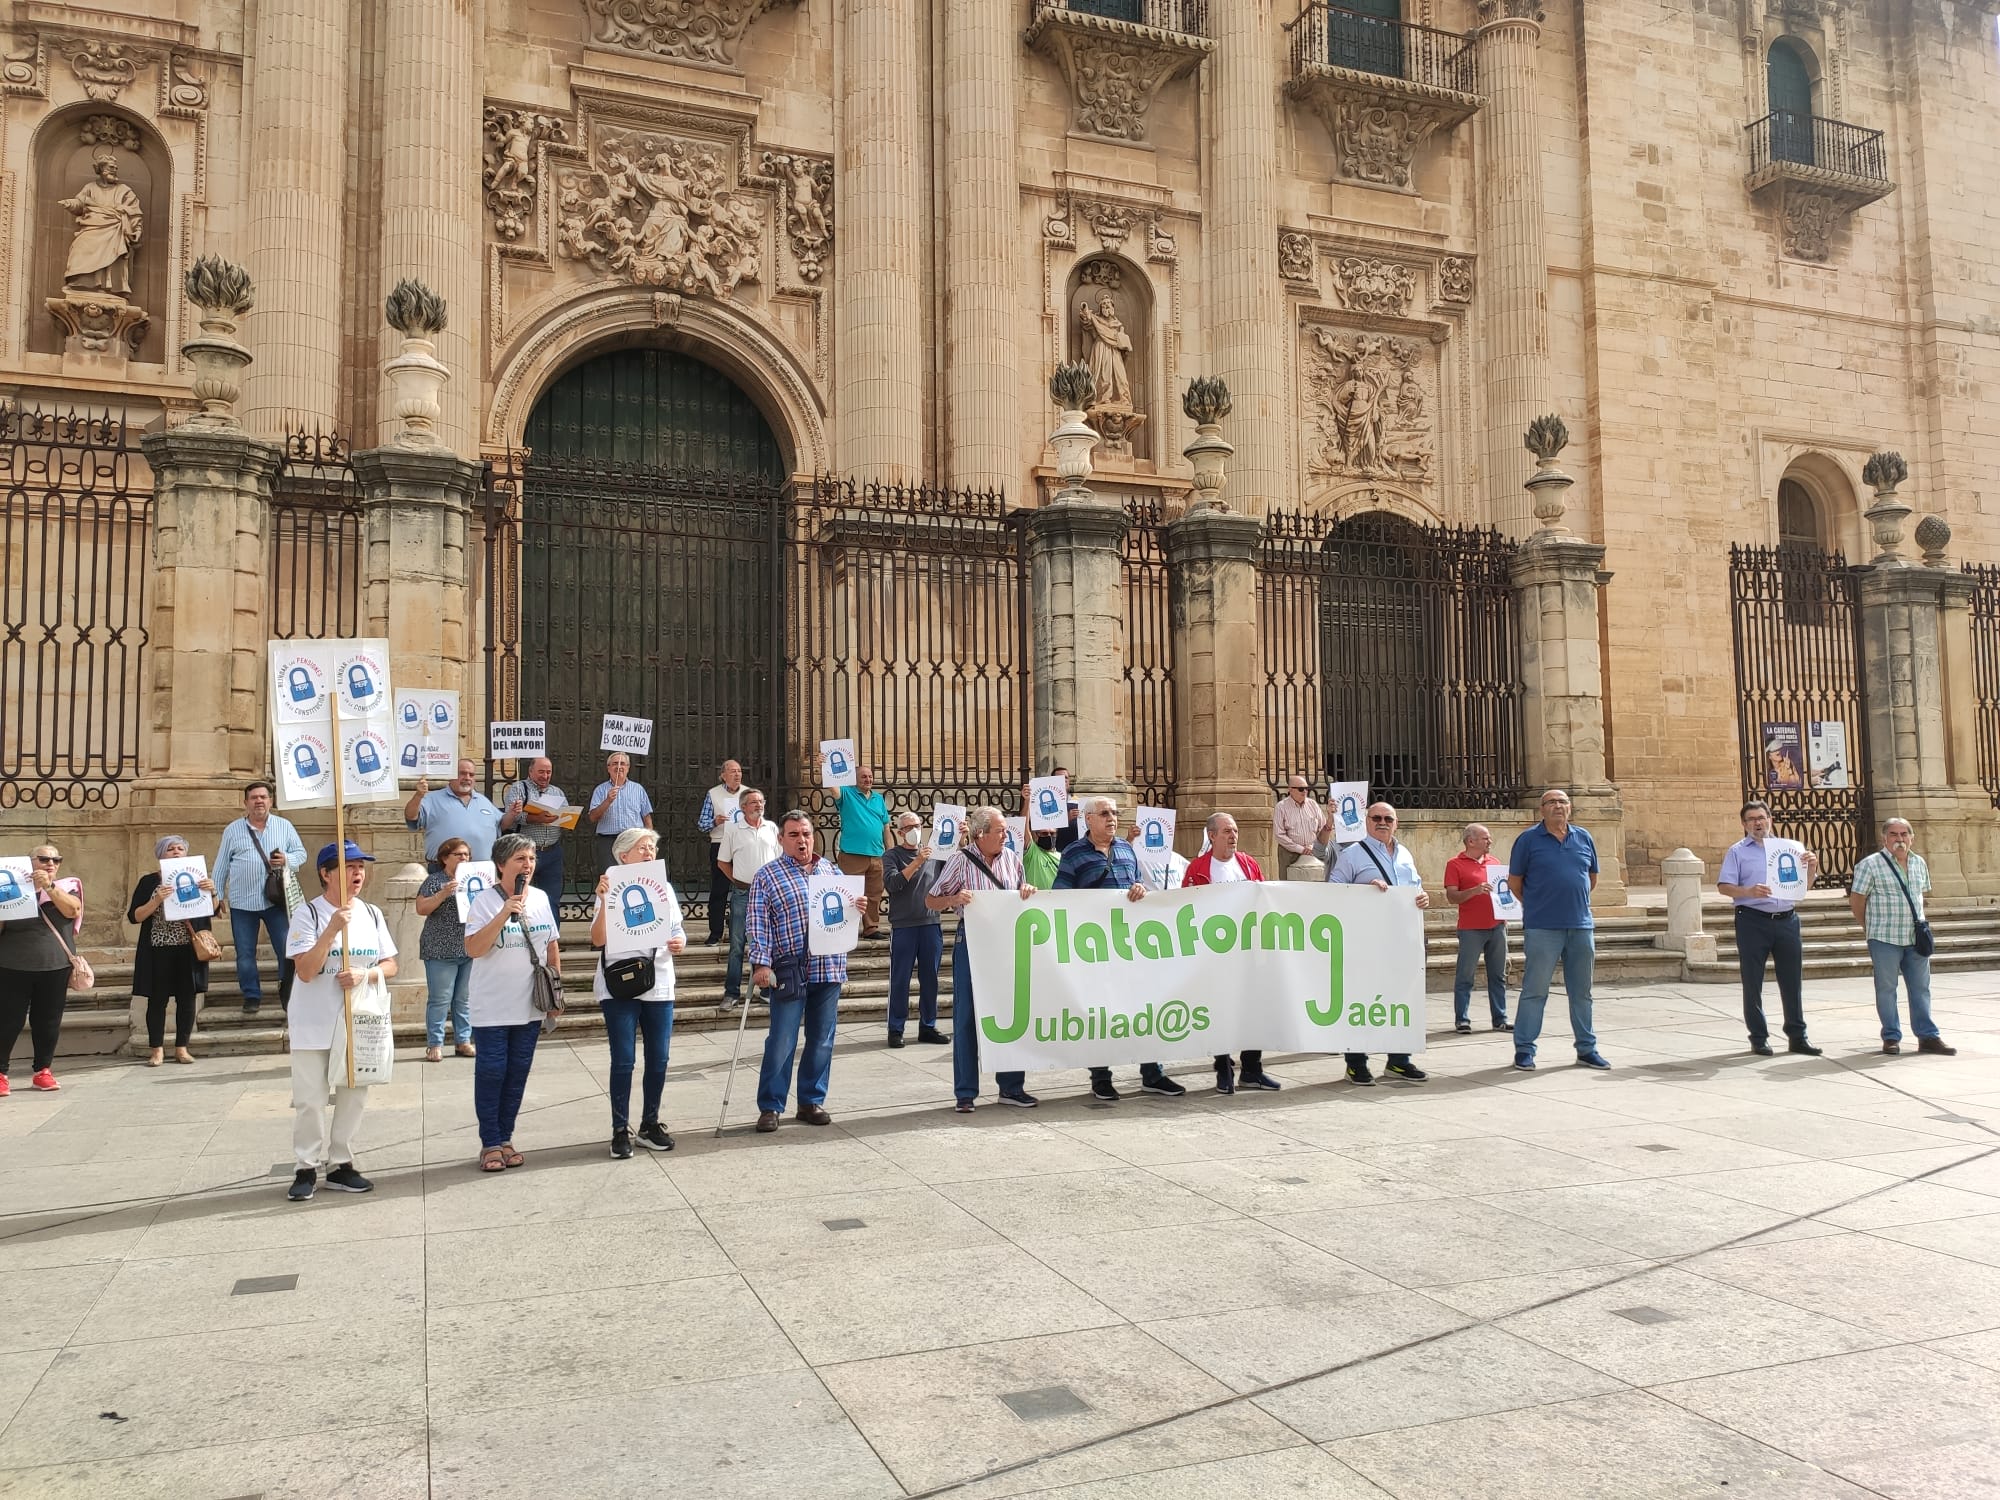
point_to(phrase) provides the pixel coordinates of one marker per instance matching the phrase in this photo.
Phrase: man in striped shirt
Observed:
(983, 863)
(776, 919)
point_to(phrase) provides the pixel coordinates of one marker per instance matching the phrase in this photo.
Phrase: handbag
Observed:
(274, 880)
(81, 975)
(544, 990)
(788, 976)
(206, 949)
(1921, 937)
(629, 978)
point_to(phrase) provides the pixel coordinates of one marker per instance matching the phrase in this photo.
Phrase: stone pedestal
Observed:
(1305, 867)
(1684, 872)
(1077, 588)
(1212, 580)
(101, 331)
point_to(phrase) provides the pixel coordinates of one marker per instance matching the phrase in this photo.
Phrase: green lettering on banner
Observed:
(1031, 929)
(1328, 938)
(1378, 1013)
(1399, 1015)
(1284, 931)
(1155, 941)
(1218, 933)
(1121, 937)
(1184, 920)
(1090, 944)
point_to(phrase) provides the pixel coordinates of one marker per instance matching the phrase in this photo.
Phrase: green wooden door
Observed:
(1789, 85)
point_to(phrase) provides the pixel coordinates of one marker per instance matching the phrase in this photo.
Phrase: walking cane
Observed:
(742, 1023)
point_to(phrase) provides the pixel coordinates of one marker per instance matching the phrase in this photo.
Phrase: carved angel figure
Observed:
(1105, 345)
(108, 224)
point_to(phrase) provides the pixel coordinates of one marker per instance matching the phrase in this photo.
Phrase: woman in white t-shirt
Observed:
(647, 904)
(504, 920)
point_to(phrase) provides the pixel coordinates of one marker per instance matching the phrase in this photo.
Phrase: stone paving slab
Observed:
(1701, 1273)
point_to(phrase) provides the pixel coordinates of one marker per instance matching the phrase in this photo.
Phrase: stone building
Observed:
(707, 262)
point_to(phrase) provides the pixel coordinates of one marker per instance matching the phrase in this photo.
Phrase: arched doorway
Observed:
(650, 519)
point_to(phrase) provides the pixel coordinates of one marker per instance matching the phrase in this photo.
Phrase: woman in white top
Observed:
(502, 924)
(650, 906)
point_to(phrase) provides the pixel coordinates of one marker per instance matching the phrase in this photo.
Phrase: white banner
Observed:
(1348, 801)
(633, 736)
(426, 733)
(510, 739)
(947, 825)
(1070, 979)
(333, 710)
(838, 762)
(185, 897)
(474, 877)
(833, 913)
(17, 888)
(1048, 803)
(639, 909)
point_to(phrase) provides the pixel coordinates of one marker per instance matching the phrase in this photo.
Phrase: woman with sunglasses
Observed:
(35, 954)
(164, 967)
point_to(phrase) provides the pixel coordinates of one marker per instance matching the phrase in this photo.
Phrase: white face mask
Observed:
(914, 837)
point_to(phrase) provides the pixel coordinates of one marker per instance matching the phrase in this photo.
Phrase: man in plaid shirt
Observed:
(776, 922)
(1886, 895)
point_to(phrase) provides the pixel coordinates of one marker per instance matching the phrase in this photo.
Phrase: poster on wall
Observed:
(1826, 753)
(1784, 758)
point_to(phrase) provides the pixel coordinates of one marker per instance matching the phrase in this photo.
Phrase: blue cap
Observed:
(330, 855)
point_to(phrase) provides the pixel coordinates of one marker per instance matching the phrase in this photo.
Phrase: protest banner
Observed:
(833, 913)
(426, 733)
(185, 898)
(1070, 979)
(639, 908)
(632, 736)
(1048, 803)
(1349, 801)
(838, 763)
(512, 739)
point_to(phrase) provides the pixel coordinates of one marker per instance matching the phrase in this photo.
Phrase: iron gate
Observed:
(1802, 715)
(1149, 655)
(1985, 705)
(316, 583)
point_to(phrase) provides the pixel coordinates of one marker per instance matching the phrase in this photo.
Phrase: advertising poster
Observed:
(1826, 753)
(1784, 758)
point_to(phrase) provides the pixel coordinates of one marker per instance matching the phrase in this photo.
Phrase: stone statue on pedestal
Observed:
(108, 225)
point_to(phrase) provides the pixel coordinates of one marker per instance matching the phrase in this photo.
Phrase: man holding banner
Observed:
(1101, 860)
(983, 863)
(1760, 873)
(1379, 860)
(1223, 864)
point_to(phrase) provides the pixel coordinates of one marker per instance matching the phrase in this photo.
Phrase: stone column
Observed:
(1076, 552)
(1513, 272)
(297, 155)
(1246, 312)
(431, 150)
(982, 231)
(879, 351)
(1684, 870)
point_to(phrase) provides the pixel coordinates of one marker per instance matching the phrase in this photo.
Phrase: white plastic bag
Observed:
(374, 1037)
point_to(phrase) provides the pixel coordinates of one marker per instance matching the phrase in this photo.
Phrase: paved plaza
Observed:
(1701, 1274)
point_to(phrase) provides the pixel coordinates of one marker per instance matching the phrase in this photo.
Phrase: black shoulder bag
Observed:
(274, 880)
(1921, 937)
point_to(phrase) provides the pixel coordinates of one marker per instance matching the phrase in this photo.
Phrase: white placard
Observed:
(833, 913)
(185, 897)
(304, 755)
(1153, 842)
(1826, 753)
(1785, 869)
(361, 678)
(333, 711)
(639, 907)
(1048, 803)
(633, 736)
(1506, 905)
(301, 676)
(475, 877)
(838, 763)
(1349, 803)
(368, 770)
(1017, 835)
(511, 739)
(947, 828)
(426, 733)
(17, 888)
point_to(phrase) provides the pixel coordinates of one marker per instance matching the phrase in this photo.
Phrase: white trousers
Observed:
(315, 1144)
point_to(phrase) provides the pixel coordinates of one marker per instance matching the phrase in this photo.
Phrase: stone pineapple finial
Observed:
(223, 292)
(1207, 402)
(1933, 535)
(414, 310)
(1073, 386)
(1882, 473)
(1545, 438)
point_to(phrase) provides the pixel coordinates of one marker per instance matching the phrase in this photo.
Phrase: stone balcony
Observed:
(1382, 87)
(1816, 173)
(1118, 55)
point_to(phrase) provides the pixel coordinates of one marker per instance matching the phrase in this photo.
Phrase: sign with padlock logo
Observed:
(474, 877)
(838, 763)
(304, 755)
(1785, 869)
(426, 733)
(185, 898)
(368, 763)
(633, 736)
(1017, 835)
(333, 712)
(513, 739)
(17, 888)
(640, 909)
(1153, 842)
(1506, 906)
(361, 677)
(1349, 801)
(301, 679)
(833, 913)
(947, 828)
(1048, 803)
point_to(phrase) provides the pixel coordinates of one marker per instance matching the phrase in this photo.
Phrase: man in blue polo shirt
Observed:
(1553, 871)
(456, 810)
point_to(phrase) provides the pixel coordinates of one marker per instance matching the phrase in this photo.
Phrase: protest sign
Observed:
(300, 674)
(1785, 869)
(633, 736)
(1048, 803)
(361, 677)
(1017, 835)
(474, 876)
(185, 898)
(333, 722)
(1069, 979)
(1349, 802)
(639, 909)
(833, 915)
(17, 888)
(368, 770)
(838, 761)
(426, 733)
(1153, 842)
(947, 825)
(514, 738)
(1506, 906)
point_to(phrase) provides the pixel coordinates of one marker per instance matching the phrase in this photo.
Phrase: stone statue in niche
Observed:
(108, 225)
(1113, 352)
(1106, 346)
(1371, 412)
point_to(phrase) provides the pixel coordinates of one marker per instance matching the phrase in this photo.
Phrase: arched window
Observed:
(1798, 517)
(1788, 86)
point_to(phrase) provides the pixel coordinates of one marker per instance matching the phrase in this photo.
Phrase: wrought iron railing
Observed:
(316, 561)
(1786, 135)
(1324, 36)
(1187, 17)
(75, 557)
(1390, 654)
(1985, 704)
(1149, 655)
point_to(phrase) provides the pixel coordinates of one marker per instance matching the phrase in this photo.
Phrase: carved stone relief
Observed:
(1373, 407)
(1511, 10)
(1296, 258)
(108, 130)
(1364, 284)
(510, 168)
(1809, 222)
(808, 186)
(182, 91)
(658, 212)
(701, 31)
(1110, 222)
(24, 69)
(1115, 68)
(1455, 279)
(105, 69)
(1374, 142)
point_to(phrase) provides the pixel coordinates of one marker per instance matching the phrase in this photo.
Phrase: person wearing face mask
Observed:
(916, 934)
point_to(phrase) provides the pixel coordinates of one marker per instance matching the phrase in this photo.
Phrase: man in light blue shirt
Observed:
(1553, 870)
(618, 803)
(1767, 928)
(1379, 860)
(239, 872)
(457, 810)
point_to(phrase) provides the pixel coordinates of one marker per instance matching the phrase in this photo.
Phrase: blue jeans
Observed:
(500, 1077)
(915, 950)
(243, 928)
(623, 1021)
(1891, 960)
(1541, 949)
(450, 981)
(732, 977)
(818, 1011)
(1474, 944)
(548, 876)
(965, 1033)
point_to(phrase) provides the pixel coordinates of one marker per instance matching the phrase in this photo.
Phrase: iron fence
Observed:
(1802, 719)
(1330, 36)
(1786, 135)
(1985, 705)
(1149, 655)
(316, 562)
(1187, 17)
(1391, 655)
(74, 566)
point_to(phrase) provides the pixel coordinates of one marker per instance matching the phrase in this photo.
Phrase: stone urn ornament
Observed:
(1073, 389)
(1206, 402)
(221, 292)
(416, 375)
(1882, 473)
(1933, 535)
(1546, 437)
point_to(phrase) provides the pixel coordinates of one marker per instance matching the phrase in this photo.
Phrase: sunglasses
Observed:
(48, 859)
(1374, 819)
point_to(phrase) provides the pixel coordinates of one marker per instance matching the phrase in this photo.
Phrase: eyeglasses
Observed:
(1105, 812)
(48, 859)
(1377, 818)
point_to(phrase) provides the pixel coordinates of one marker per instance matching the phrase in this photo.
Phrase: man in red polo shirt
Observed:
(1481, 933)
(1222, 864)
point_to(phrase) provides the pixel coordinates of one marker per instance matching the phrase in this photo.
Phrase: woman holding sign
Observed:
(510, 933)
(441, 946)
(635, 984)
(35, 954)
(165, 965)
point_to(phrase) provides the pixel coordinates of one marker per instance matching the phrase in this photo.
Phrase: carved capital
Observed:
(698, 31)
(1364, 284)
(105, 69)
(1114, 68)
(24, 68)
(1376, 139)
(1511, 10)
(182, 90)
